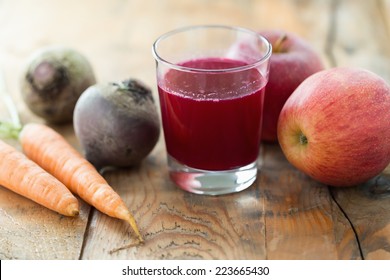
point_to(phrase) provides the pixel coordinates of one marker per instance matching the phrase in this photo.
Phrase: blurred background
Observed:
(116, 35)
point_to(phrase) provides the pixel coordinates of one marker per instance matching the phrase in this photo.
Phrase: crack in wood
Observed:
(86, 232)
(350, 223)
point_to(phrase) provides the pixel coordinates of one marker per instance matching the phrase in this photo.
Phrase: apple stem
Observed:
(277, 47)
(303, 139)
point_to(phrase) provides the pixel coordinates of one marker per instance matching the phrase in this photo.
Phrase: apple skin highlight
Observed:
(344, 115)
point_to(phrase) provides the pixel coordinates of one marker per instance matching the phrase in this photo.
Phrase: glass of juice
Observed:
(211, 83)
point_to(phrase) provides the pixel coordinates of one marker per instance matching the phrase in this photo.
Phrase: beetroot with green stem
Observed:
(117, 124)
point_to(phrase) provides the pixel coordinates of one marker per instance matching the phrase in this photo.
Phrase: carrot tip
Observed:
(133, 224)
(139, 236)
(131, 245)
(72, 210)
(75, 213)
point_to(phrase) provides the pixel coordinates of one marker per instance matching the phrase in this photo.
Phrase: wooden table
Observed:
(284, 215)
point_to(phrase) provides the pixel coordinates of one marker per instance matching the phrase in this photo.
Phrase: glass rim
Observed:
(193, 69)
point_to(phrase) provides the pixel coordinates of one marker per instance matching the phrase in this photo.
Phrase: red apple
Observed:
(292, 61)
(335, 127)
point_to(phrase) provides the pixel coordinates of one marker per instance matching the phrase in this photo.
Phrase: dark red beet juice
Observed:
(212, 120)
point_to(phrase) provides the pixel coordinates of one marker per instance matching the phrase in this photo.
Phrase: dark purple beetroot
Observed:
(117, 124)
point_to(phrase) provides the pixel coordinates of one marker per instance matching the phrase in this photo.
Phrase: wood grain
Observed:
(30, 231)
(177, 224)
(301, 217)
(284, 215)
(367, 207)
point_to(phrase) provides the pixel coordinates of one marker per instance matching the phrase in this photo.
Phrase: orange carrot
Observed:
(53, 153)
(25, 177)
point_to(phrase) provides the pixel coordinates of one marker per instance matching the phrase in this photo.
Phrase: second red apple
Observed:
(292, 61)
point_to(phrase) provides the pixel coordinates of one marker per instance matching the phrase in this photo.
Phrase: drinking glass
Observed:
(211, 83)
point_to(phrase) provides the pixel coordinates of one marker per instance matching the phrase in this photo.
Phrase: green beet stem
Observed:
(9, 130)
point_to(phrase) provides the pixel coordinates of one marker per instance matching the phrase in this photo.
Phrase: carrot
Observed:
(25, 177)
(53, 153)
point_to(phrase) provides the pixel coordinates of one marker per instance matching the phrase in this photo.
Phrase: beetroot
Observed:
(53, 80)
(117, 124)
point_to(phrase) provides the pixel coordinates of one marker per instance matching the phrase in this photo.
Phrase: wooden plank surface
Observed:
(302, 220)
(284, 215)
